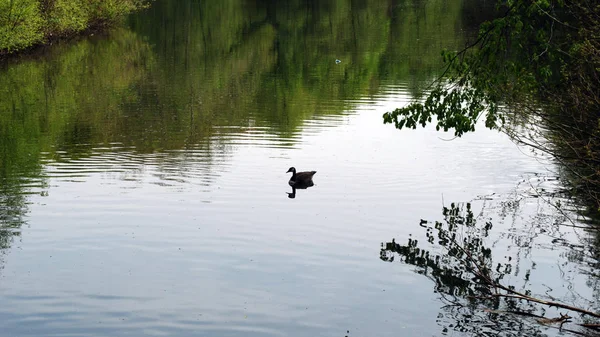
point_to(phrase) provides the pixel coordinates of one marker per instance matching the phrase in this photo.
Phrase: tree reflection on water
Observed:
(466, 254)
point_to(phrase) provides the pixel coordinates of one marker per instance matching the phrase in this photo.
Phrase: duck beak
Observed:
(288, 171)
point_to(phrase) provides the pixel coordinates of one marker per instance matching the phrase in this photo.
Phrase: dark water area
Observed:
(143, 185)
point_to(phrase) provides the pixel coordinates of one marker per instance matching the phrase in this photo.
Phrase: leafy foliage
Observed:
(519, 56)
(540, 61)
(24, 23)
(65, 16)
(21, 24)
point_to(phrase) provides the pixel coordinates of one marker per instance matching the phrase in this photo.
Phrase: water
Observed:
(144, 186)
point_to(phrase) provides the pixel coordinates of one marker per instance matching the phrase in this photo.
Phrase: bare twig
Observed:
(482, 273)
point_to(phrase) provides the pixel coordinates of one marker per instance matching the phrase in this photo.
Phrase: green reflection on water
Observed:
(189, 73)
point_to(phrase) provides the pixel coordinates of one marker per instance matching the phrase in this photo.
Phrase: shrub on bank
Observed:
(21, 24)
(25, 23)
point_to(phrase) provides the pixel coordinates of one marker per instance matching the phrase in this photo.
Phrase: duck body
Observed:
(301, 179)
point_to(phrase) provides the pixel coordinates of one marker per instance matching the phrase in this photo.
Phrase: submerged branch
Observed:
(521, 296)
(482, 273)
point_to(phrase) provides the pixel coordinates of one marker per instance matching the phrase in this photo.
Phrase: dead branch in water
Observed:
(483, 274)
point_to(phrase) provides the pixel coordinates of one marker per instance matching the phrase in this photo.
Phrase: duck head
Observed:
(291, 169)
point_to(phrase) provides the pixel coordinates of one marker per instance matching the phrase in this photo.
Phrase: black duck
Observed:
(301, 179)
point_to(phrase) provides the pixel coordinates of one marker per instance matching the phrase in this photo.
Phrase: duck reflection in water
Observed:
(300, 180)
(300, 187)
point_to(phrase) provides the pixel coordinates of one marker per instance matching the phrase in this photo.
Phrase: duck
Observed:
(301, 179)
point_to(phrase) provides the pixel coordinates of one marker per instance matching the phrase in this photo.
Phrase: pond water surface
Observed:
(144, 190)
